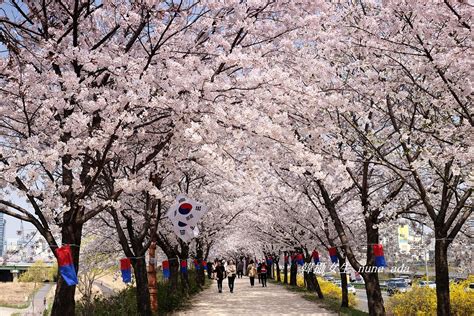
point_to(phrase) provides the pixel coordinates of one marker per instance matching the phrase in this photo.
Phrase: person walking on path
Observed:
(259, 272)
(240, 269)
(231, 272)
(220, 275)
(252, 272)
(214, 267)
(263, 274)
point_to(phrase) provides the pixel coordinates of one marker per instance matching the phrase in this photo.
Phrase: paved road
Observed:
(37, 305)
(272, 300)
(6, 311)
(362, 302)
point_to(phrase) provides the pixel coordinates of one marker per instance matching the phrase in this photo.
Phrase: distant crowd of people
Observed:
(221, 269)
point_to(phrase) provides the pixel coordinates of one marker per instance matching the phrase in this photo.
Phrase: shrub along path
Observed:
(272, 300)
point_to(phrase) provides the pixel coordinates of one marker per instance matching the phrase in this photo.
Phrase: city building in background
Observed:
(403, 232)
(33, 249)
(406, 238)
(27, 247)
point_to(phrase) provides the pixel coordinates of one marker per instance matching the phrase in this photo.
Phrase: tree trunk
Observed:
(184, 281)
(64, 303)
(345, 294)
(442, 277)
(317, 288)
(143, 294)
(278, 272)
(152, 284)
(312, 282)
(174, 273)
(374, 294)
(200, 277)
(307, 283)
(371, 278)
(201, 274)
(293, 273)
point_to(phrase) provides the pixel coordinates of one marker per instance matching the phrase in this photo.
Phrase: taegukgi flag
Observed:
(184, 215)
(186, 210)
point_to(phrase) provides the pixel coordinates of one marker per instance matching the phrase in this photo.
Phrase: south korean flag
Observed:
(185, 214)
(186, 210)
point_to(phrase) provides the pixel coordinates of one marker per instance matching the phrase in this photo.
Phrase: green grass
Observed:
(18, 306)
(327, 303)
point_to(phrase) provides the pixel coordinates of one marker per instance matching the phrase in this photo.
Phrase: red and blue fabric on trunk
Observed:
(333, 254)
(126, 268)
(196, 264)
(184, 266)
(315, 256)
(300, 259)
(66, 265)
(379, 257)
(166, 269)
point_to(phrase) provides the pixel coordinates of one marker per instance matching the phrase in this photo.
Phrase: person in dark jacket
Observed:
(220, 275)
(240, 269)
(259, 270)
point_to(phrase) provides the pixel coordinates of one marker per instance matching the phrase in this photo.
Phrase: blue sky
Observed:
(12, 224)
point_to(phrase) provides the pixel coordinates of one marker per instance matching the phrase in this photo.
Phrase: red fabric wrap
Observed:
(64, 256)
(125, 264)
(378, 250)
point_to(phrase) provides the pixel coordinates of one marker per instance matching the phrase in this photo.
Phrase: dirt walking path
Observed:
(272, 300)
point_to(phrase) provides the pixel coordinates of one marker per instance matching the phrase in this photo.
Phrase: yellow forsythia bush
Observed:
(462, 300)
(421, 301)
(299, 280)
(329, 289)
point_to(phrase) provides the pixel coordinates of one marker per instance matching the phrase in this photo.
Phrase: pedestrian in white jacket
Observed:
(231, 273)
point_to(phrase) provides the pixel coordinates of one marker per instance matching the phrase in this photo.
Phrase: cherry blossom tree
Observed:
(404, 65)
(361, 109)
(82, 78)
